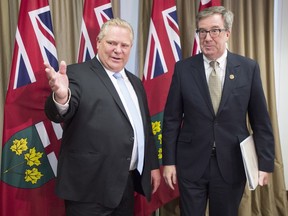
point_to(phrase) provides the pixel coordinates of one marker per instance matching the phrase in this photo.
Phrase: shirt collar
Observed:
(110, 73)
(221, 60)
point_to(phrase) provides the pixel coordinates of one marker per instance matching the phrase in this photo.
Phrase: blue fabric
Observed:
(138, 126)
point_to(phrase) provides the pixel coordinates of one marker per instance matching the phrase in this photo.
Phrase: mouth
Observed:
(116, 59)
(208, 47)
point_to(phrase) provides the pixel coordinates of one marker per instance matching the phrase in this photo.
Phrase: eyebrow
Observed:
(213, 27)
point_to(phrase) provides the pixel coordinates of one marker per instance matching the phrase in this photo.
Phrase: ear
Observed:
(98, 43)
(227, 34)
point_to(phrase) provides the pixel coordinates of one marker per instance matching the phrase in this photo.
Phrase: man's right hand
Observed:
(170, 177)
(58, 81)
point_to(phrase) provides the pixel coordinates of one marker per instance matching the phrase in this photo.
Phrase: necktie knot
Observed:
(214, 65)
(117, 75)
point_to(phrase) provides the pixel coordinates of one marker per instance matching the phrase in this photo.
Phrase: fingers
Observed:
(49, 70)
(47, 65)
(263, 178)
(174, 179)
(51, 76)
(155, 180)
(154, 188)
(170, 183)
(62, 67)
(169, 175)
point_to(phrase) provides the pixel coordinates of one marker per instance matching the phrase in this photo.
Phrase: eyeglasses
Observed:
(213, 32)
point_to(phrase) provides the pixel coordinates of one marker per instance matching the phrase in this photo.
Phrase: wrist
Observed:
(62, 100)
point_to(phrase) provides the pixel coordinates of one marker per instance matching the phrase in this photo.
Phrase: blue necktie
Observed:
(138, 126)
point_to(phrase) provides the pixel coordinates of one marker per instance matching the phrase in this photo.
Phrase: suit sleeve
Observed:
(173, 114)
(261, 124)
(51, 110)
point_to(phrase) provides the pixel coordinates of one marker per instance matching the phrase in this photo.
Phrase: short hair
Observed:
(227, 15)
(115, 22)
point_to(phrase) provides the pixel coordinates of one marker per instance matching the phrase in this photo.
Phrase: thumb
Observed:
(62, 67)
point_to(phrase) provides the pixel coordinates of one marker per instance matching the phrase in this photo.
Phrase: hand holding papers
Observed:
(250, 161)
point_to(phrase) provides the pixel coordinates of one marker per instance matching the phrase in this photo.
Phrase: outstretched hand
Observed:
(58, 81)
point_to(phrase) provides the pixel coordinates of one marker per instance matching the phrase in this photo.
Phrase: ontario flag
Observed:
(202, 5)
(30, 141)
(163, 50)
(95, 13)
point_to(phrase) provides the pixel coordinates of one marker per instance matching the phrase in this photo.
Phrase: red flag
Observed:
(95, 13)
(203, 4)
(163, 51)
(30, 141)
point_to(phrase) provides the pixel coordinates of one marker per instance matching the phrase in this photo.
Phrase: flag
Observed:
(203, 4)
(163, 50)
(95, 13)
(30, 142)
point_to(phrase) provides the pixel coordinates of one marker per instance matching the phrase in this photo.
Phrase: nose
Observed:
(208, 36)
(117, 49)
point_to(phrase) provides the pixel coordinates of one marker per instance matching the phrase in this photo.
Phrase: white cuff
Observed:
(62, 108)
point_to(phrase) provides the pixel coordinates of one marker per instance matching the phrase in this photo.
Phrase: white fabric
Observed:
(138, 125)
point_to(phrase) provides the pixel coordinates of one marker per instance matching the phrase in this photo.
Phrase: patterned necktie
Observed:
(215, 86)
(138, 125)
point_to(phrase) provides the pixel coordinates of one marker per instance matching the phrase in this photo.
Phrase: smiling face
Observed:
(114, 48)
(213, 48)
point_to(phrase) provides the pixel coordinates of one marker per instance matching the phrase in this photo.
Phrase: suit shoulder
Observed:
(77, 70)
(191, 59)
(132, 76)
(241, 59)
(192, 62)
(80, 64)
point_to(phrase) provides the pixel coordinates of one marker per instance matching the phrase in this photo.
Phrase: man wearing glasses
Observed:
(210, 96)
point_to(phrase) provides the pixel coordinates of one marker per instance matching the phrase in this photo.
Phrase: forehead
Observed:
(215, 20)
(118, 33)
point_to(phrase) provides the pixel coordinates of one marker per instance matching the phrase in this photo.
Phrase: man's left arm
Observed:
(262, 129)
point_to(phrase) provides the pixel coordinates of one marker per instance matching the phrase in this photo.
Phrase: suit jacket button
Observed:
(132, 139)
(128, 159)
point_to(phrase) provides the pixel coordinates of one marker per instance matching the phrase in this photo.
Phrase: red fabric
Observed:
(30, 141)
(163, 50)
(162, 196)
(95, 13)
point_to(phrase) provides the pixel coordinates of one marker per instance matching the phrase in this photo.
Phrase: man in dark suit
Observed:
(202, 135)
(98, 167)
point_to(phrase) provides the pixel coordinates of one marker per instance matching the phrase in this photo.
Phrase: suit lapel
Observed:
(101, 73)
(139, 95)
(231, 77)
(197, 66)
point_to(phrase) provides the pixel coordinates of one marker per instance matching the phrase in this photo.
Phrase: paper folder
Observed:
(250, 161)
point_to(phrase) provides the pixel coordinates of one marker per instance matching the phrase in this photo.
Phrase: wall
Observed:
(281, 76)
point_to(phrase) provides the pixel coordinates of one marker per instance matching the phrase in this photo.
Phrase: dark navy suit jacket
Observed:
(190, 125)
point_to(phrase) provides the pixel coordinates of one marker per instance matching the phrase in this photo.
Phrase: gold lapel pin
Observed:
(231, 76)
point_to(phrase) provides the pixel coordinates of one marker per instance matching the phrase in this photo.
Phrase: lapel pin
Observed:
(231, 76)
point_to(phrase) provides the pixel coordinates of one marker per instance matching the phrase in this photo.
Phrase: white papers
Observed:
(250, 161)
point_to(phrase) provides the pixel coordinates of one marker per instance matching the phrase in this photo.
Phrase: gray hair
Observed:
(227, 15)
(115, 22)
